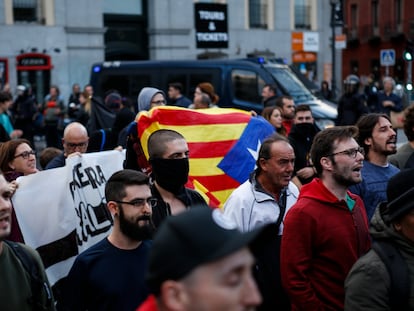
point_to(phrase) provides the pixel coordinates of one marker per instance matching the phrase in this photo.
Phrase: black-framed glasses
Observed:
(139, 203)
(159, 102)
(352, 153)
(74, 145)
(26, 154)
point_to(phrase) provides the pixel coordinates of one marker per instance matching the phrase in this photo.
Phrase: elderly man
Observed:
(387, 100)
(263, 199)
(75, 142)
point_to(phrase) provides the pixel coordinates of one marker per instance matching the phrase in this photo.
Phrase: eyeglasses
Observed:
(74, 145)
(26, 154)
(159, 102)
(139, 203)
(352, 153)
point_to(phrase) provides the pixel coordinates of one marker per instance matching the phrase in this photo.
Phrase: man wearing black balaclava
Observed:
(168, 156)
(301, 137)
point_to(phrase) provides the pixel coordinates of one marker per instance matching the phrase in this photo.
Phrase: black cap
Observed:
(193, 238)
(400, 195)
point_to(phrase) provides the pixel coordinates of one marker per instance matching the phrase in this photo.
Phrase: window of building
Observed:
(25, 10)
(374, 13)
(302, 14)
(354, 16)
(375, 69)
(353, 23)
(398, 13)
(258, 13)
(354, 67)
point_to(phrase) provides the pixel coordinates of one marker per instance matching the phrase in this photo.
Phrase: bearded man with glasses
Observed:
(326, 231)
(110, 274)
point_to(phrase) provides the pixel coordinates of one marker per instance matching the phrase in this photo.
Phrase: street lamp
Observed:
(336, 20)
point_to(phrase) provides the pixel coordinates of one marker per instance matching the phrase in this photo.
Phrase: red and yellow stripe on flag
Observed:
(211, 134)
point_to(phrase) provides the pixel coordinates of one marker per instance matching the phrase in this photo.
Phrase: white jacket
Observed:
(249, 208)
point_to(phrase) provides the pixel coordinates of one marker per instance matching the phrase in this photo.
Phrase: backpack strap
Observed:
(37, 284)
(398, 271)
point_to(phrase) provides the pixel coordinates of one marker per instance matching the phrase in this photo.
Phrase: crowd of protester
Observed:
(313, 227)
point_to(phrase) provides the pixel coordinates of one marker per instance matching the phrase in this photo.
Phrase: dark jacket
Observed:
(350, 108)
(301, 138)
(382, 96)
(271, 101)
(367, 286)
(182, 101)
(189, 197)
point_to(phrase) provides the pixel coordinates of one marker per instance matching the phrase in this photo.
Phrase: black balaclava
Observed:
(170, 174)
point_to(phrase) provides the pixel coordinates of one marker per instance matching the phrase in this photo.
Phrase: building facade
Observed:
(372, 26)
(56, 42)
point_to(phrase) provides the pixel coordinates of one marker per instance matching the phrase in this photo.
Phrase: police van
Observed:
(238, 82)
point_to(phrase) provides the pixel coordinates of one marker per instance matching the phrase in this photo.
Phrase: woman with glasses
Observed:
(150, 97)
(17, 158)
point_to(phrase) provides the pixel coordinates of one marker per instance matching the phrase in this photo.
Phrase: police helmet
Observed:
(351, 79)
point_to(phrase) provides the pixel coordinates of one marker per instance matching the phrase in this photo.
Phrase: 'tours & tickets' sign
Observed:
(211, 25)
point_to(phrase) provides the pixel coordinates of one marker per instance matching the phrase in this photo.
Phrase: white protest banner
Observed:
(62, 211)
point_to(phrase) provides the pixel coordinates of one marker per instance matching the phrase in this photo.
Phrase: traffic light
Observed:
(409, 86)
(408, 52)
(337, 12)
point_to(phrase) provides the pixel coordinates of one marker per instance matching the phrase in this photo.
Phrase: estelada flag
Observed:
(223, 144)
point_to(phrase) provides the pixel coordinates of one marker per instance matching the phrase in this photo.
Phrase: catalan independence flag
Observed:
(223, 144)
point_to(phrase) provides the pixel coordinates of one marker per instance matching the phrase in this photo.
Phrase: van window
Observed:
(126, 84)
(247, 85)
(291, 84)
(191, 77)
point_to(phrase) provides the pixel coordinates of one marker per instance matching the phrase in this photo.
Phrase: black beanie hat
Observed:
(400, 194)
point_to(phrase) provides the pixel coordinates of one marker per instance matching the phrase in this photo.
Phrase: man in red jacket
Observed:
(326, 231)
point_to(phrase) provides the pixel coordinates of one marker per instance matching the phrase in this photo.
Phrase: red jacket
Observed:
(150, 304)
(288, 125)
(321, 241)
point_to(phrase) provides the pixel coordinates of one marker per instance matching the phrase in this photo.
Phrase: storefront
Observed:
(34, 69)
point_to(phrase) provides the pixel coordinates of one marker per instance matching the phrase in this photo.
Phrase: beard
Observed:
(133, 229)
(344, 180)
(344, 177)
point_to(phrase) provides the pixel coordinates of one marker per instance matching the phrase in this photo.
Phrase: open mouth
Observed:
(392, 141)
(357, 169)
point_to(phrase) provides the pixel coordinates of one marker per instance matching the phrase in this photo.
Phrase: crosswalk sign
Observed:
(387, 57)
